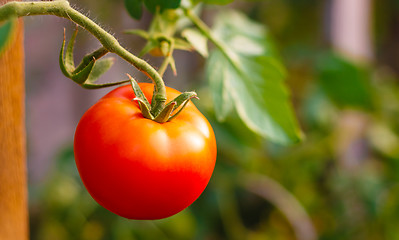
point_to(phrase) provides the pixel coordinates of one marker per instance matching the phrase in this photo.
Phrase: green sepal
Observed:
(89, 57)
(182, 101)
(69, 62)
(83, 75)
(61, 60)
(144, 109)
(140, 97)
(172, 64)
(164, 115)
(184, 97)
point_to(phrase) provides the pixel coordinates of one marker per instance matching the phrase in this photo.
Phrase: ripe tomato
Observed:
(138, 168)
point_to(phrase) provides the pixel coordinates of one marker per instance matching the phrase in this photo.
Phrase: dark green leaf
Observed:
(134, 8)
(6, 31)
(345, 83)
(162, 4)
(250, 77)
(219, 2)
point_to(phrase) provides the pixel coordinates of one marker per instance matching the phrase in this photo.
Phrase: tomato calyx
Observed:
(91, 67)
(171, 109)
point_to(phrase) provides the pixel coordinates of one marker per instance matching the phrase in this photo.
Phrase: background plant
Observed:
(342, 203)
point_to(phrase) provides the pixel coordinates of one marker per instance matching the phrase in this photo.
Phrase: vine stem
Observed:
(61, 8)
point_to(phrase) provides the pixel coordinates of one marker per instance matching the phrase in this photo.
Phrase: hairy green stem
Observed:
(61, 8)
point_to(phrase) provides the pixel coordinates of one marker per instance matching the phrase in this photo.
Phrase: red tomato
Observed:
(138, 168)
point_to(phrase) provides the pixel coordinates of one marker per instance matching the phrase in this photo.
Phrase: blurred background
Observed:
(340, 182)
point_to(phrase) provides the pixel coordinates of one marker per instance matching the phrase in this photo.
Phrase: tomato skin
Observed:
(138, 168)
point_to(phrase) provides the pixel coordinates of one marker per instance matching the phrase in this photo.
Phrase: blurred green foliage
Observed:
(249, 78)
(349, 191)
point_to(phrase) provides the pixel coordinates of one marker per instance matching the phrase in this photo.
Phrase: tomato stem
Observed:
(62, 9)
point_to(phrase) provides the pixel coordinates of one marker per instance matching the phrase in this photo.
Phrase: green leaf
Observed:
(243, 35)
(162, 4)
(251, 80)
(99, 68)
(219, 72)
(134, 8)
(197, 40)
(6, 31)
(346, 84)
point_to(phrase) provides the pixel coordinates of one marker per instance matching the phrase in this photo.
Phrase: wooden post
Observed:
(13, 170)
